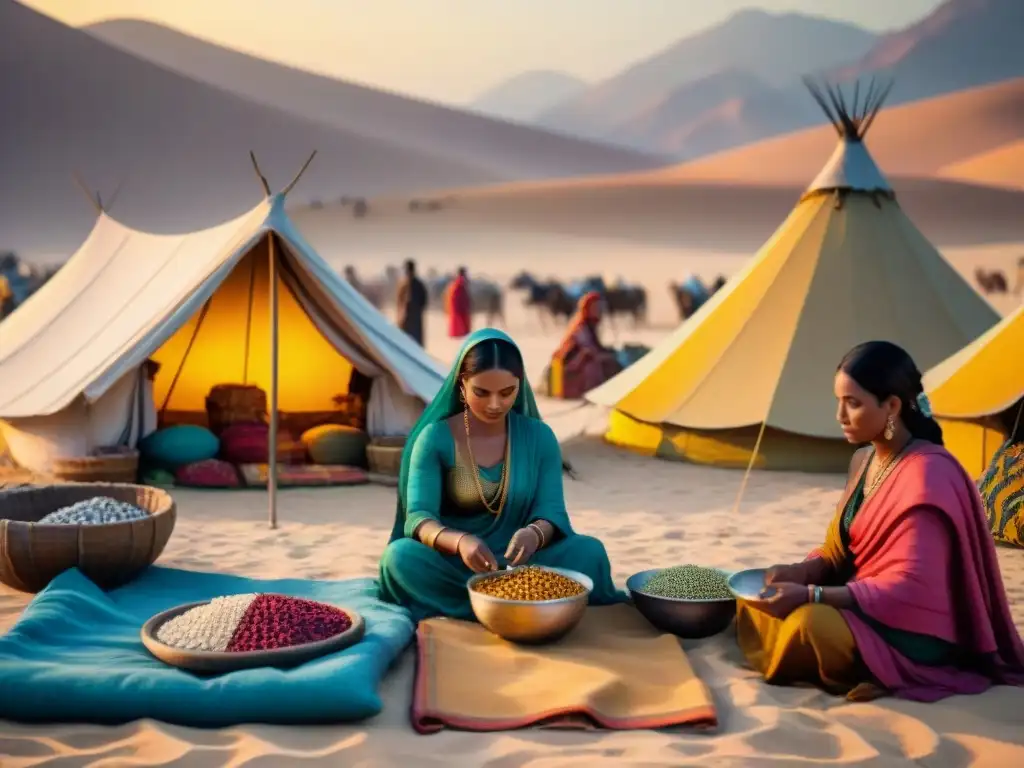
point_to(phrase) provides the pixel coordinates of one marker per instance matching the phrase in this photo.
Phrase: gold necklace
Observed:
(502, 491)
(886, 469)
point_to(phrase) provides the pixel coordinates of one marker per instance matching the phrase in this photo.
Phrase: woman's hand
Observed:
(524, 544)
(476, 555)
(795, 573)
(781, 598)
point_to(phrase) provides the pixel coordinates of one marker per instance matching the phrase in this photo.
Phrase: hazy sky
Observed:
(451, 50)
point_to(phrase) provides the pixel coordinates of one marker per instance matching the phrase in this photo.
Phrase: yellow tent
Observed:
(846, 266)
(981, 381)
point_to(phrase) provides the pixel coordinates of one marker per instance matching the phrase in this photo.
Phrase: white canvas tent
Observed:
(747, 381)
(209, 306)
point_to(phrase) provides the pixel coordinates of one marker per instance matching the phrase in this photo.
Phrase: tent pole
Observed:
(272, 437)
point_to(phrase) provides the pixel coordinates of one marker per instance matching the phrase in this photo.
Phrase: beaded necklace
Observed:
(501, 493)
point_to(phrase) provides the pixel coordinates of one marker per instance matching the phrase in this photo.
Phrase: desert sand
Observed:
(915, 139)
(1003, 166)
(650, 513)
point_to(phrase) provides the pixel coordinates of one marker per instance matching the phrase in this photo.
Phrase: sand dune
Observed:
(180, 147)
(656, 209)
(650, 513)
(1003, 166)
(916, 139)
(504, 149)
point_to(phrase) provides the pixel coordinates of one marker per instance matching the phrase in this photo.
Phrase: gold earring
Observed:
(462, 395)
(890, 428)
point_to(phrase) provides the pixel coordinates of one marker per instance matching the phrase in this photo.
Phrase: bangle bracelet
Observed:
(540, 534)
(458, 543)
(813, 594)
(433, 539)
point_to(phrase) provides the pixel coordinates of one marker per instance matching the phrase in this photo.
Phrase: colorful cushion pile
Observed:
(99, 510)
(211, 473)
(253, 622)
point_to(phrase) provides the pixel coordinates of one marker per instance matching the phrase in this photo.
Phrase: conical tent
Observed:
(846, 266)
(981, 381)
(200, 304)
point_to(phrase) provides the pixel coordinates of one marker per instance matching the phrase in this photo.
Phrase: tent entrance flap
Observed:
(227, 341)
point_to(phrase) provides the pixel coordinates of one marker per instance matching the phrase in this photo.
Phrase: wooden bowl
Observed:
(110, 555)
(214, 662)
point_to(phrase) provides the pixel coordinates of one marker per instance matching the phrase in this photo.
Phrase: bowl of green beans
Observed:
(690, 601)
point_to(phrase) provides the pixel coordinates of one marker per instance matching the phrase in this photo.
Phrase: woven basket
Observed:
(113, 467)
(384, 455)
(111, 555)
(229, 404)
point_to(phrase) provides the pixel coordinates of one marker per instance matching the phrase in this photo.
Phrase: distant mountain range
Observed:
(180, 147)
(740, 81)
(525, 97)
(499, 148)
(776, 49)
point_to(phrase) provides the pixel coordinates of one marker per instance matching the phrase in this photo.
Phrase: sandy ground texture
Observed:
(650, 514)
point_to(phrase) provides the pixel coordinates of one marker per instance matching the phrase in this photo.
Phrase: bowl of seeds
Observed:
(251, 630)
(531, 604)
(690, 601)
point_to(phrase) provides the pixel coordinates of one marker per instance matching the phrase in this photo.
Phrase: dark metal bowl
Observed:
(680, 616)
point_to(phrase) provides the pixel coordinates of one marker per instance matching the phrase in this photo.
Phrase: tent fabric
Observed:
(850, 167)
(764, 348)
(985, 377)
(973, 443)
(125, 293)
(729, 448)
(840, 270)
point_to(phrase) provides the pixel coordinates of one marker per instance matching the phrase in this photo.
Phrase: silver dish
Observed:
(530, 622)
(681, 616)
(749, 584)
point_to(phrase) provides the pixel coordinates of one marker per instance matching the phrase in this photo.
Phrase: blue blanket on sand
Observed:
(75, 656)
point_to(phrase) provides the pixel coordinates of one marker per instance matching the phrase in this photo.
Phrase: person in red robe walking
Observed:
(457, 304)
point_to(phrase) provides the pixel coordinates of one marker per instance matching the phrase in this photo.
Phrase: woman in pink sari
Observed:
(905, 596)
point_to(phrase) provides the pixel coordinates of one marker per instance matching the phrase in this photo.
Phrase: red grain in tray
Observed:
(278, 621)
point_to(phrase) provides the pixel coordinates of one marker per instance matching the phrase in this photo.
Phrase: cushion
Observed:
(247, 444)
(211, 473)
(176, 446)
(303, 475)
(335, 444)
(157, 476)
(244, 443)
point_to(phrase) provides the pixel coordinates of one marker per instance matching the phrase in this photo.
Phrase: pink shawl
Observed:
(924, 561)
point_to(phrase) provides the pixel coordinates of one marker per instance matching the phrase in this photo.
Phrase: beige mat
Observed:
(613, 671)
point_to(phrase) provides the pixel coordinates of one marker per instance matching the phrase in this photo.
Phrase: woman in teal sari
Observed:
(480, 487)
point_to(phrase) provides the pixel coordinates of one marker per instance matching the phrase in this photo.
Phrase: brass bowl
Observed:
(530, 622)
(680, 616)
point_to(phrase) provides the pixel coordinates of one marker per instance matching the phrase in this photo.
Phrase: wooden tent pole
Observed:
(272, 407)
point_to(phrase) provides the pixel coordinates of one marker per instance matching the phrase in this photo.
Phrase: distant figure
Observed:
(6, 297)
(458, 306)
(352, 278)
(581, 362)
(411, 302)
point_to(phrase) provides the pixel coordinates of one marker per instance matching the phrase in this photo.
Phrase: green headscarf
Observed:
(447, 403)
